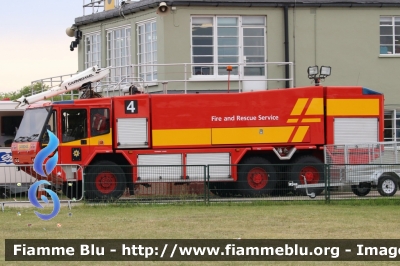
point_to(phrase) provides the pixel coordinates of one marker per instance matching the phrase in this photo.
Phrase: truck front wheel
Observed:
(104, 180)
(256, 177)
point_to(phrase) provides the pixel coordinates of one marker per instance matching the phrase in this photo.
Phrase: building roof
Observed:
(134, 7)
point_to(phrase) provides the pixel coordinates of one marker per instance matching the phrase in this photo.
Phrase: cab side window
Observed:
(52, 126)
(99, 121)
(74, 125)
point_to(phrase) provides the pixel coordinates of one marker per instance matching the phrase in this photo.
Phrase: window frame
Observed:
(393, 35)
(89, 55)
(142, 51)
(67, 130)
(94, 132)
(214, 65)
(119, 53)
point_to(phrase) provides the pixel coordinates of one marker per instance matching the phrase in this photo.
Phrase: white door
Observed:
(253, 52)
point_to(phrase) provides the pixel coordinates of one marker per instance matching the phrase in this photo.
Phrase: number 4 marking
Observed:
(130, 107)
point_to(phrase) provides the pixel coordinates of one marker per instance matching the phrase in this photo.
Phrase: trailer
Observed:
(247, 134)
(365, 166)
(12, 181)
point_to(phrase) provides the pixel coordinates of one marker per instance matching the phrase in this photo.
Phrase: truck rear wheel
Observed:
(312, 170)
(104, 180)
(387, 186)
(256, 177)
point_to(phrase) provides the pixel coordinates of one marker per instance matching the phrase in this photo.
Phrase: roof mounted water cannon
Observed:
(76, 82)
(324, 72)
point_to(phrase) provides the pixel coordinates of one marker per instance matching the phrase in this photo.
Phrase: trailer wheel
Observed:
(72, 190)
(256, 177)
(361, 191)
(312, 169)
(104, 180)
(387, 186)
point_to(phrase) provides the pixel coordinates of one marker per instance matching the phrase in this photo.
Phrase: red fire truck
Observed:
(252, 133)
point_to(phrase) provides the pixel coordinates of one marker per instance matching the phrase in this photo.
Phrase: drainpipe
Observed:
(286, 25)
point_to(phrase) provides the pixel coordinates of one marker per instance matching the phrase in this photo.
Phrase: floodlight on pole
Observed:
(316, 75)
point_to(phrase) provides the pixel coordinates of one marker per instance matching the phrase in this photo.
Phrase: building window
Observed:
(219, 41)
(389, 35)
(92, 50)
(392, 125)
(119, 54)
(147, 50)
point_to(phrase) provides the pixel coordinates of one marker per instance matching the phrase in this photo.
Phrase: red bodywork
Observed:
(291, 118)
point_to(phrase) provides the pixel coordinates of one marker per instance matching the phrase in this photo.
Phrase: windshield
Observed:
(31, 125)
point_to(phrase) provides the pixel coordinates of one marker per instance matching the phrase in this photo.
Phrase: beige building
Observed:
(186, 45)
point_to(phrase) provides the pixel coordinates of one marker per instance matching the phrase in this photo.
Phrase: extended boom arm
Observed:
(92, 74)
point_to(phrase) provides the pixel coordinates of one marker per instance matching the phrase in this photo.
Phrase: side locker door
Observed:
(74, 143)
(132, 122)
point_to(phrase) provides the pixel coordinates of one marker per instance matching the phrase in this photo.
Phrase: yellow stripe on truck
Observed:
(180, 137)
(247, 135)
(215, 136)
(311, 120)
(299, 106)
(105, 139)
(316, 107)
(339, 107)
(300, 134)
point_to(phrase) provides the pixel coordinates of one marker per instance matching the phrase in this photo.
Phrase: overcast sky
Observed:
(33, 42)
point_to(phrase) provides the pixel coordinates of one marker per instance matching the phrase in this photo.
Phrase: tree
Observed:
(30, 90)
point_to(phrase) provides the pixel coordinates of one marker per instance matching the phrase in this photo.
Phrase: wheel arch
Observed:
(271, 156)
(392, 174)
(119, 159)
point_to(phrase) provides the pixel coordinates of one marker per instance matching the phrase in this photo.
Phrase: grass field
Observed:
(377, 219)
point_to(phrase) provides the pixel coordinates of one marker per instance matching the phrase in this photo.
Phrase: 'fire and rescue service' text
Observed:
(244, 118)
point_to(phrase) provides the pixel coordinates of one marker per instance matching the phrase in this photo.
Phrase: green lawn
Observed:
(339, 220)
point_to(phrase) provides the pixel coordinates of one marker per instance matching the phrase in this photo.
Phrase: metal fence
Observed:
(207, 183)
(16, 181)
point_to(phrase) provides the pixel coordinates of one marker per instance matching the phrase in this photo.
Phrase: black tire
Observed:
(311, 168)
(387, 186)
(256, 177)
(104, 180)
(222, 189)
(73, 190)
(361, 190)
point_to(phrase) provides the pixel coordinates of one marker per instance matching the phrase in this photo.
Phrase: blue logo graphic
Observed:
(44, 153)
(38, 167)
(5, 158)
(32, 198)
